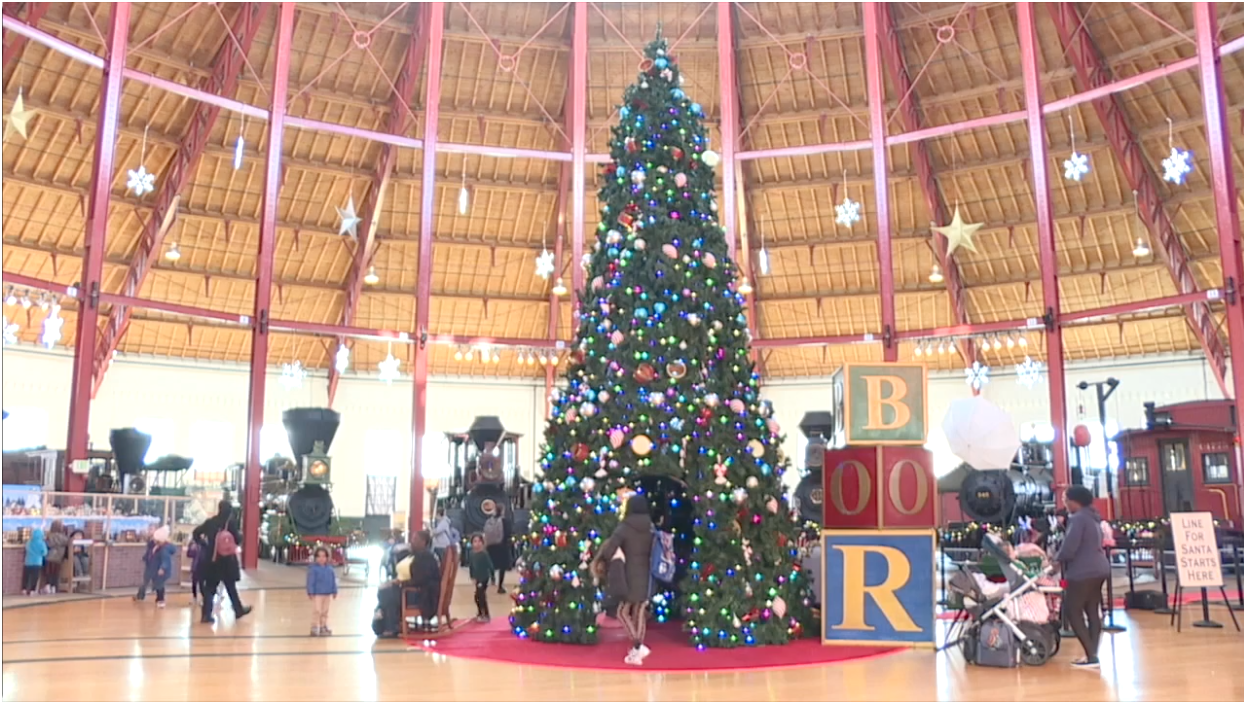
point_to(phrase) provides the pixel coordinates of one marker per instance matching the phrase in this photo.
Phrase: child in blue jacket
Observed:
(159, 565)
(36, 551)
(321, 590)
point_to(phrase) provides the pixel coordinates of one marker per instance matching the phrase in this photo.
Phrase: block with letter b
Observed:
(882, 404)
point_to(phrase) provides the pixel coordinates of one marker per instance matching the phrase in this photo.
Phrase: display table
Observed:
(112, 566)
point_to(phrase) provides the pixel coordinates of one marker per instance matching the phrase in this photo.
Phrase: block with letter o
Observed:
(878, 587)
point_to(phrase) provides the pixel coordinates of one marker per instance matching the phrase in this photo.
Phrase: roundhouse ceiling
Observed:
(824, 278)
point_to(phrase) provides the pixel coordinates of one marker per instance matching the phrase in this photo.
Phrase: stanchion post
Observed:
(1239, 577)
(1110, 627)
(1160, 554)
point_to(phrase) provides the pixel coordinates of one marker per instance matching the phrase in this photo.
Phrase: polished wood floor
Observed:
(112, 649)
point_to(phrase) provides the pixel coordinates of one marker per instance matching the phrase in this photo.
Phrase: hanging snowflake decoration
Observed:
(10, 332)
(1029, 372)
(545, 264)
(1177, 166)
(977, 375)
(140, 182)
(342, 360)
(51, 327)
(1076, 167)
(848, 212)
(389, 369)
(292, 375)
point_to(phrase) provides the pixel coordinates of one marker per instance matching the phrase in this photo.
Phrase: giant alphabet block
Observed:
(882, 404)
(882, 487)
(878, 587)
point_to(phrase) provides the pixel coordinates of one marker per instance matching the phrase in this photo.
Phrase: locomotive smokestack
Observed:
(485, 431)
(307, 425)
(129, 447)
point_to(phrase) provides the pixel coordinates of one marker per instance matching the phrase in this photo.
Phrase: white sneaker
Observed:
(633, 658)
(642, 652)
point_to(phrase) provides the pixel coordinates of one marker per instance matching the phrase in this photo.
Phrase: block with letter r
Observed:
(878, 587)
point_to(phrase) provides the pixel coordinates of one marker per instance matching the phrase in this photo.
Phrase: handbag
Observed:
(616, 584)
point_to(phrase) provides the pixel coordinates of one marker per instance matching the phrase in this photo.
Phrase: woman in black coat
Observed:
(218, 570)
(629, 580)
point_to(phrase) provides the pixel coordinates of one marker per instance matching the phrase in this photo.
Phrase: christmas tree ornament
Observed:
(976, 375)
(737, 406)
(645, 373)
(958, 234)
(680, 179)
(617, 337)
(710, 261)
(752, 482)
(710, 158)
(350, 220)
(711, 399)
(545, 264)
(616, 437)
(582, 452)
(779, 606)
(771, 504)
(676, 369)
(19, 117)
(847, 213)
(739, 495)
(587, 409)
(669, 250)
(639, 244)
(641, 445)
(1177, 166)
(756, 448)
(720, 471)
(638, 177)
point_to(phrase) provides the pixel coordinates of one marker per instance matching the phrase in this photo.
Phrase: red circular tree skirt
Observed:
(670, 651)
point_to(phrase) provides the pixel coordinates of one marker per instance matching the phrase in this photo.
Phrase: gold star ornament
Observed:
(958, 234)
(18, 117)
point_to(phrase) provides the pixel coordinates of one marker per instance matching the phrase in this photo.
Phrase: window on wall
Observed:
(25, 428)
(273, 441)
(213, 446)
(163, 434)
(1137, 472)
(1216, 467)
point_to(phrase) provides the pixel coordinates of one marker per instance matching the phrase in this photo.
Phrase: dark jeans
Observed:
(209, 595)
(1082, 607)
(30, 578)
(481, 597)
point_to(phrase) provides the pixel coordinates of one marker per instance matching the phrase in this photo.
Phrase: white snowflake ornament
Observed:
(1076, 166)
(342, 359)
(292, 375)
(389, 369)
(977, 375)
(1029, 372)
(139, 181)
(10, 332)
(848, 212)
(52, 327)
(1177, 166)
(545, 264)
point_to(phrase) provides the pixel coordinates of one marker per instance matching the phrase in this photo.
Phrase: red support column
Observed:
(96, 233)
(1225, 205)
(729, 124)
(435, 30)
(263, 285)
(873, 27)
(578, 156)
(226, 72)
(399, 119)
(1046, 239)
(550, 370)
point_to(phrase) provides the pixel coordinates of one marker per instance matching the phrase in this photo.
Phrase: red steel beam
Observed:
(729, 122)
(226, 73)
(891, 56)
(96, 234)
(399, 120)
(1046, 238)
(34, 12)
(263, 285)
(435, 30)
(1226, 208)
(578, 153)
(1094, 73)
(878, 32)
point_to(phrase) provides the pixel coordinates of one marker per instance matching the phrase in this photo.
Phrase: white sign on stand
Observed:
(1196, 549)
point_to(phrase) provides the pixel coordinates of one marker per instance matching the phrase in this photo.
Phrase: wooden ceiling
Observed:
(824, 278)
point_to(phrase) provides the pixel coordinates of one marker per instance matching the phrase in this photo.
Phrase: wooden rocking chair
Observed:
(444, 625)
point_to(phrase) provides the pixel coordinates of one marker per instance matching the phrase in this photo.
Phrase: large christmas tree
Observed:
(662, 397)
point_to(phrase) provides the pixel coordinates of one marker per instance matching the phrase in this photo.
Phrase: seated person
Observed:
(417, 569)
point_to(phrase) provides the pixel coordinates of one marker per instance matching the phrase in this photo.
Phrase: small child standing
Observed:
(36, 551)
(481, 573)
(159, 565)
(321, 590)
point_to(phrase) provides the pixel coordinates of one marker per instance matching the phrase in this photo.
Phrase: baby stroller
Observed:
(998, 626)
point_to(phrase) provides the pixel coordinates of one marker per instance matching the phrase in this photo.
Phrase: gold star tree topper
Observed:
(958, 233)
(18, 117)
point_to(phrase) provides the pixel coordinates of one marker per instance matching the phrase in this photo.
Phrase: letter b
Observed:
(877, 401)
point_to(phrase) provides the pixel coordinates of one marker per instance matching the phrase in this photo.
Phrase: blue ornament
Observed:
(678, 93)
(641, 313)
(695, 107)
(624, 111)
(660, 63)
(659, 307)
(676, 423)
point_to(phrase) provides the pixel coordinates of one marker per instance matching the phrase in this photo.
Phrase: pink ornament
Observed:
(616, 437)
(680, 179)
(710, 260)
(598, 283)
(617, 337)
(669, 250)
(779, 606)
(572, 414)
(774, 427)
(737, 406)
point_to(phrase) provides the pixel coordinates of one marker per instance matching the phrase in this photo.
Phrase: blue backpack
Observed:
(663, 559)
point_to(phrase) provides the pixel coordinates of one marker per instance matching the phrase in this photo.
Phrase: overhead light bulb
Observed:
(469, 355)
(464, 200)
(1023, 342)
(1010, 341)
(919, 351)
(495, 357)
(763, 259)
(173, 253)
(371, 278)
(27, 302)
(43, 303)
(745, 288)
(559, 288)
(941, 348)
(11, 298)
(544, 359)
(997, 344)
(1142, 248)
(935, 275)
(458, 355)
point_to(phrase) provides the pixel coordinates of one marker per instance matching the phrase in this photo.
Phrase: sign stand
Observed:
(1205, 622)
(1198, 563)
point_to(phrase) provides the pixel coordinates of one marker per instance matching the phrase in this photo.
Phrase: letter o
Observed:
(835, 488)
(896, 484)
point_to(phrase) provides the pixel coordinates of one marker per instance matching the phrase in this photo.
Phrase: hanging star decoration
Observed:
(51, 327)
(19, 116)
(976, 375)
(958, 233)
(349, 220)
(10, 332)
(1076, 167)
(342, 360)
(848, 212)
(389, 369)
(545, 264)
(1029, 372)
(140, 181)
(1177, 166)
(292, 375)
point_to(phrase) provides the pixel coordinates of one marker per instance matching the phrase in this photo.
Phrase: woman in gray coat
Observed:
(631, 544)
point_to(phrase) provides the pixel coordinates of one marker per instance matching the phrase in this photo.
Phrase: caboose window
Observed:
(1137, 472)
(1216, 467)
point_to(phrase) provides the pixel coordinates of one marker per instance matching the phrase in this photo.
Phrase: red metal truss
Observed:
(909, 113)
(399, 120)
(1093, 72)
(226, 72)
(34, 12)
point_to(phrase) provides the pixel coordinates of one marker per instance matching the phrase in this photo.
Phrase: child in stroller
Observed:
(1026, 607)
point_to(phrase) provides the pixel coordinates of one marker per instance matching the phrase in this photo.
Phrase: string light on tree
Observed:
(292, 375)
(1029, 372)
(52, 325)
(976, 375)
(1177, 166)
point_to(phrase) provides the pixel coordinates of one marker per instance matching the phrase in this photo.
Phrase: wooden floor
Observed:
(113, 649)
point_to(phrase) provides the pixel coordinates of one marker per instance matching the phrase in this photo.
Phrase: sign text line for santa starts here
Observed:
(1196, 549)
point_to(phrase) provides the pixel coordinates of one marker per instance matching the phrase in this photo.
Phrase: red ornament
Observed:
(561, 539)
(645, 373)
(631, 145)
(645, 65)
(579, 356)
(611, 169)
(581, 452)
(1080, 436)
(706, 413)
(782, 540)
(710, 569)
(676, 152)
(626, 220)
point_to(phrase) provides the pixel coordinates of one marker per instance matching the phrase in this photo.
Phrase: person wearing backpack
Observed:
(220, 537)
(497, 542)
(627, 559)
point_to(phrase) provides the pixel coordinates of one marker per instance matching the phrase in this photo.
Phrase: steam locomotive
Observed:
(483, 475)
(296, 498)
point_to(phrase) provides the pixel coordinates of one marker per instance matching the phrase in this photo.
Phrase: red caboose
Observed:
(1184, 460)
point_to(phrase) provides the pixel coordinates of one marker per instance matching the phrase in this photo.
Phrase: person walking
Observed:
(321, 590)
(481, 573)
(58, 551)
(1085, 568)
(36, 551)
(497, 536)
(220, 537)
(158, 561)
(626, 557)
(442, 534)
